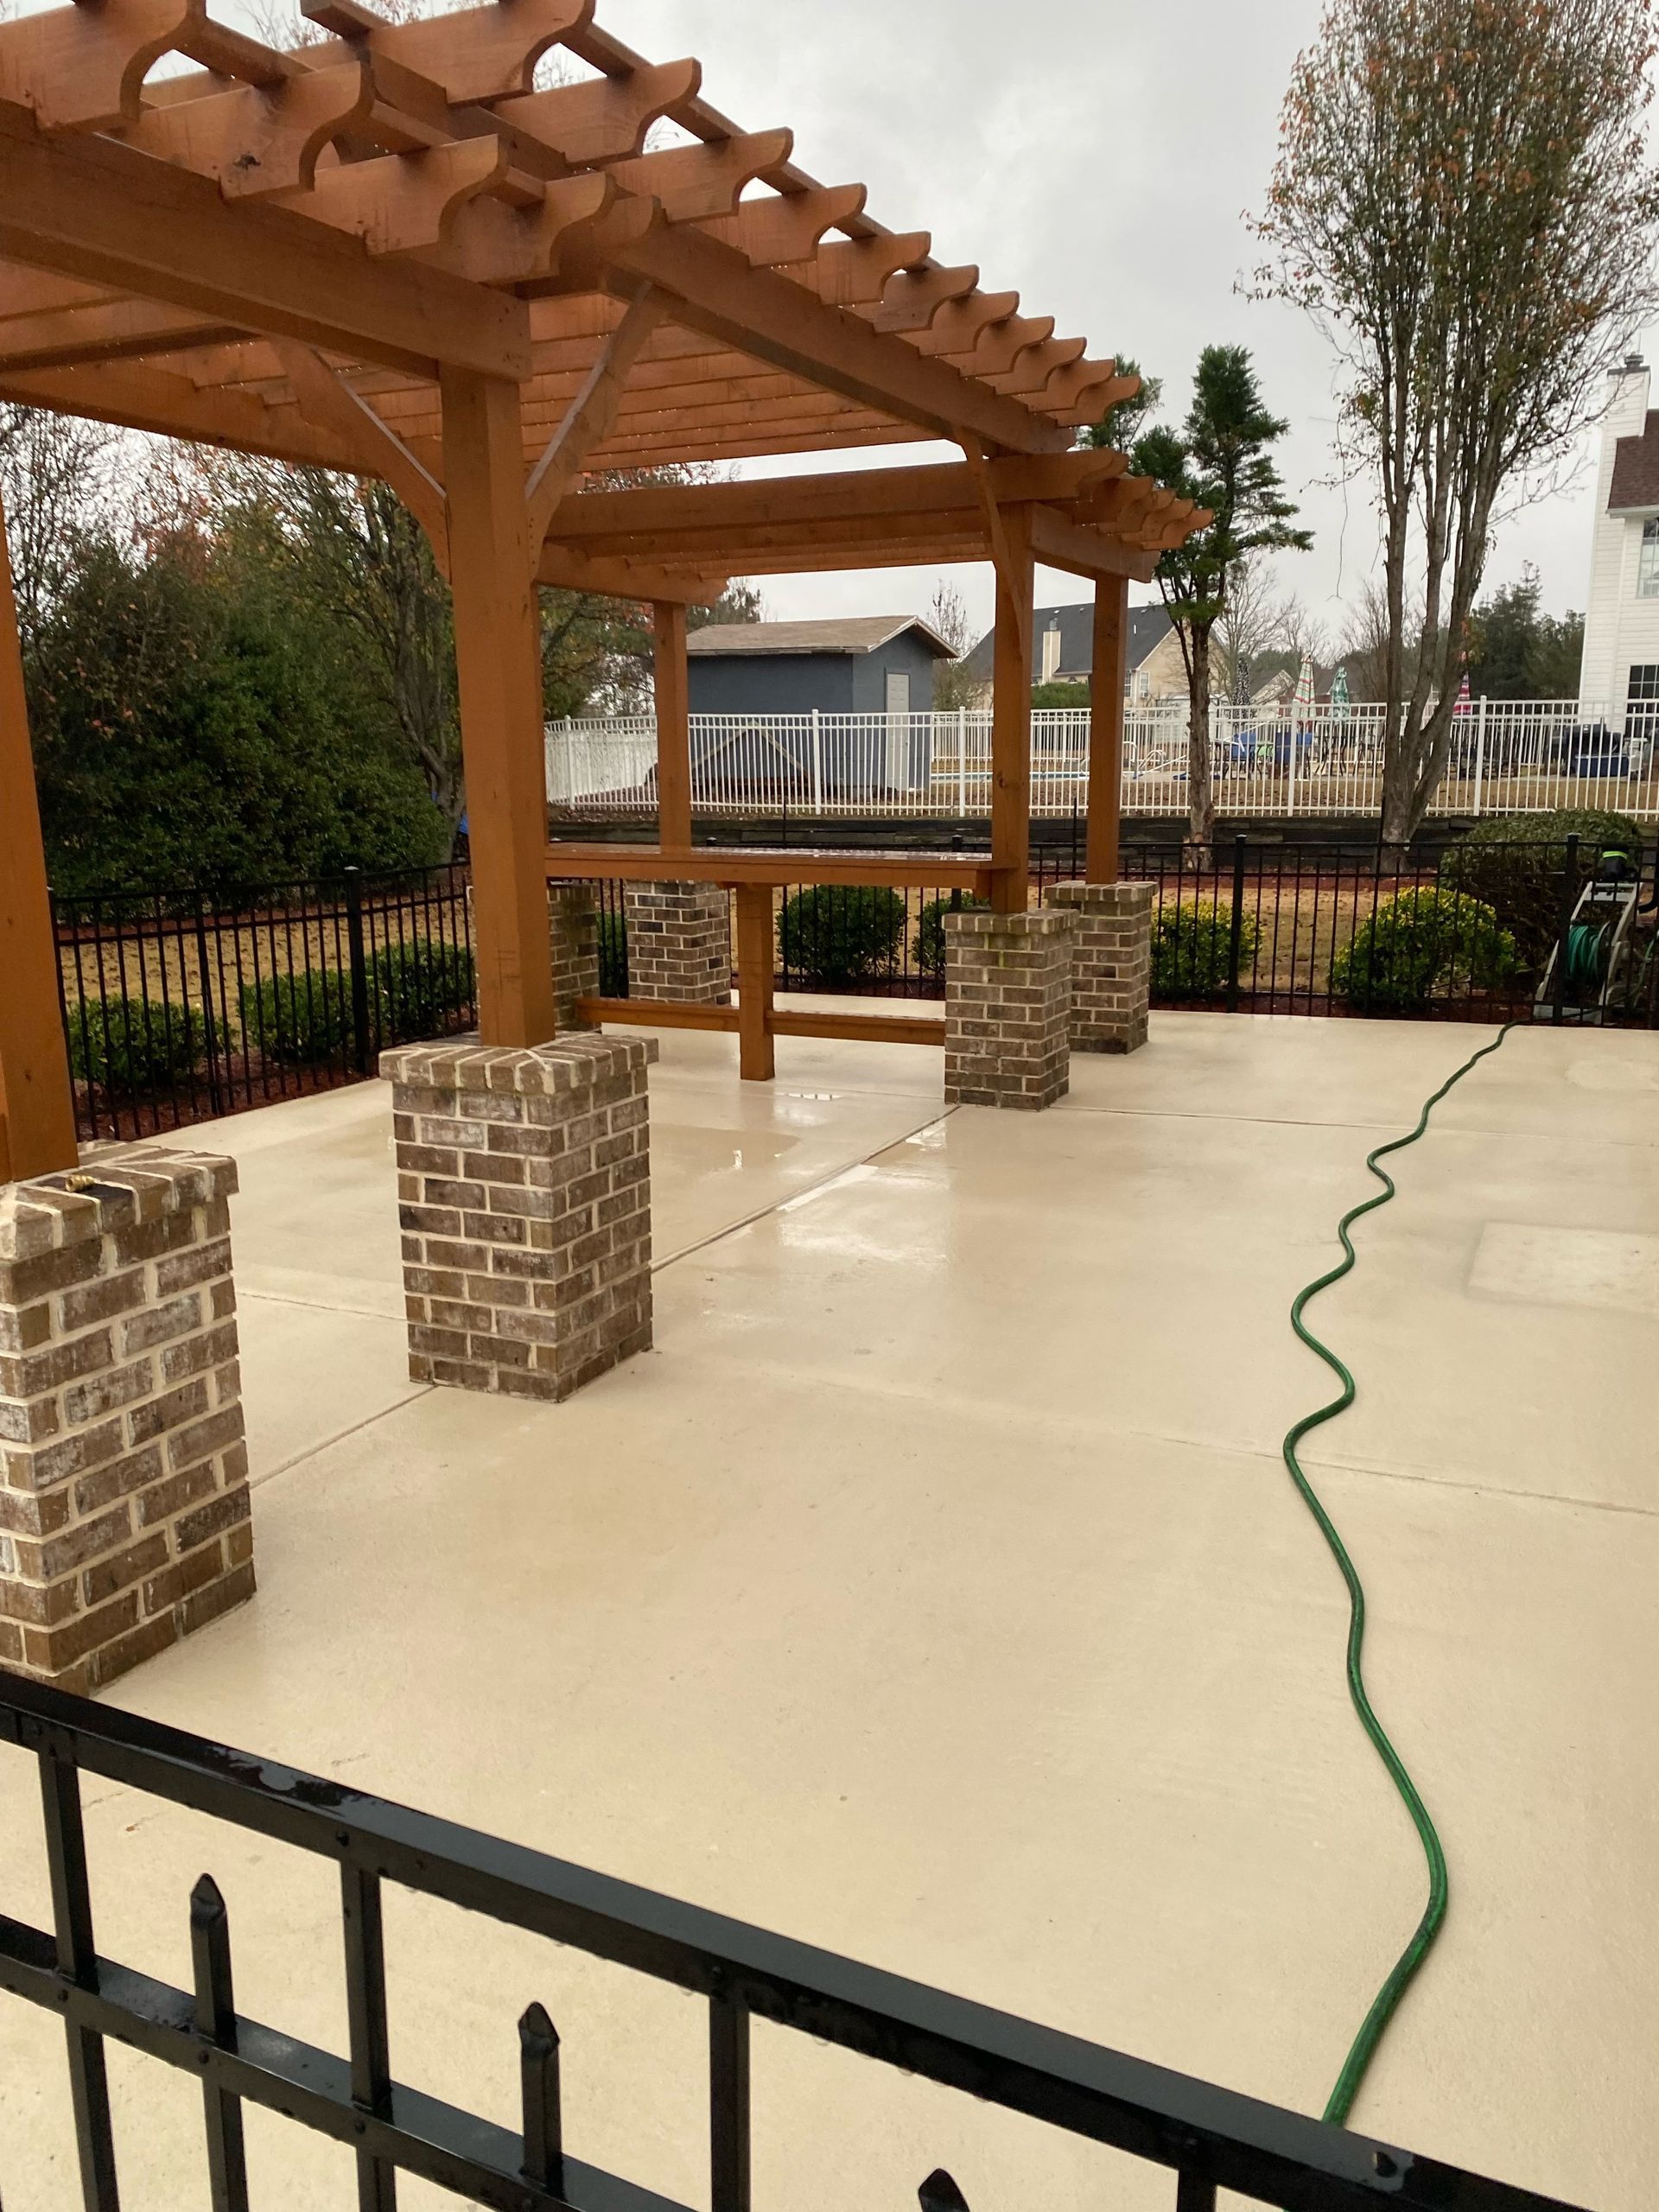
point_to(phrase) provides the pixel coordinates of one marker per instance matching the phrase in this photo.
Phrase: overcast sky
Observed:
(1099, 157)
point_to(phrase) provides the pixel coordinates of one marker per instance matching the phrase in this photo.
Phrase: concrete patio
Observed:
(935, 1592)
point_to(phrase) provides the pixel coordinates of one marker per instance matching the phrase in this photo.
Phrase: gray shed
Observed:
(869, 677)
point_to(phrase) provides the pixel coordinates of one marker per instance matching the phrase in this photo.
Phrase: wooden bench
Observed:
(755, 873)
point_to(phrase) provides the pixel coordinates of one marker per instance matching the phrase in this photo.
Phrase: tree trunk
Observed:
(1200, 782)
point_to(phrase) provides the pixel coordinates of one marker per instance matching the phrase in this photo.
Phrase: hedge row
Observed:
(138, 1046)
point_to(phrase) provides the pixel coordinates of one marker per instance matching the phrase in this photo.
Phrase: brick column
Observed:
(1111, 962)
(1007, 995)
(573, 948)
(123, 1506)
(679, 943)
(524, 1183)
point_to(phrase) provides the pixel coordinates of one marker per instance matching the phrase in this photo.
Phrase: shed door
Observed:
(897, 730)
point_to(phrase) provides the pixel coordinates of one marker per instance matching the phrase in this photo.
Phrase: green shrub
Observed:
(1513, 863)
(299, 1019)
(1192, 944)
(836, 933)
(1420, 945)
(613, 954)
(927, 946)
(136, 1046)
(425, 987)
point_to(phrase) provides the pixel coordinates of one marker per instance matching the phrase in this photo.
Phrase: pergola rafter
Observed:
(390, 253)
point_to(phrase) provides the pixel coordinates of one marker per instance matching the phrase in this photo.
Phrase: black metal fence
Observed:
(1209, 2139)
(1472, 933)
(1482, 932)
(179, 1006)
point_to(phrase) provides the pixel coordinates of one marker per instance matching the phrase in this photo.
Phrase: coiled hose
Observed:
(1385, 2002)
(1588, 947)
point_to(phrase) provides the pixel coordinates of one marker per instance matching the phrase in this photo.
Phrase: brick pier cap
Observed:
(524, 1184)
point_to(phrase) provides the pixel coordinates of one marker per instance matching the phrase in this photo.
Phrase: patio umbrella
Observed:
(1339, 693)
(1465, 705)
(1303, 702)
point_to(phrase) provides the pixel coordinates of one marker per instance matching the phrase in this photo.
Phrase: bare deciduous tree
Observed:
(1462, 201)
(54, 475)
(953, 686)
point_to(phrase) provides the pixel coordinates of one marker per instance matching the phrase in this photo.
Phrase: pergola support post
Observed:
(672, 681)
(37, 1106)
(1011, 716)
(756, 1055)
(1106, 682)
(499, 668)
(1111, 957)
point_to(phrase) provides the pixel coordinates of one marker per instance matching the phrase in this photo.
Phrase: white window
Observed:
(1647, 566)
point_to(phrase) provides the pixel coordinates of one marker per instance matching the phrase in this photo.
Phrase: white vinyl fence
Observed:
(1508, 756)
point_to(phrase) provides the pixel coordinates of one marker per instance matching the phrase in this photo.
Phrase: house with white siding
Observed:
(1618, 679)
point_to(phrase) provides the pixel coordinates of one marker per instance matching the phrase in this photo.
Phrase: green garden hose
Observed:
(1588, 945)
(1383, 2004)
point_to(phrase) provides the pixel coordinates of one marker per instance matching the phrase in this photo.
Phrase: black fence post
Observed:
(1235, 934)
(1569, 900)
(214, 1094)
(359, 970)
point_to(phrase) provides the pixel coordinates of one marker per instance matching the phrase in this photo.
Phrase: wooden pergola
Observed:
(387, 252)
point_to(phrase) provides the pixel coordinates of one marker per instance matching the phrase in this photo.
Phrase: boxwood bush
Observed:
(137, 1045)
(1513, 863)
(833, 934)
(1419, 946)
(1191, 944)
(299, 1020)
(424, 989)
(927, 946)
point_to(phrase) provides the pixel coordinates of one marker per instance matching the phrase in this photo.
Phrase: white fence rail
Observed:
(1508, 756)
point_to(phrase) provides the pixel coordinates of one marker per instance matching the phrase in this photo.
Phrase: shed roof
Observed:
(853, 633)
(1636, 470)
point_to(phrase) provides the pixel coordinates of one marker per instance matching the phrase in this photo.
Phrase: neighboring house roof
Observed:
(1636, 471)
(1147, 626)
(853, 633)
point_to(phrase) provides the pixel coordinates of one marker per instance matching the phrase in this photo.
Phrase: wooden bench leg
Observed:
(754, 936)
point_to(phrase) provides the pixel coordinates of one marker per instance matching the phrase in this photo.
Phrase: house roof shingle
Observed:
(1636, 470)
(1077, 627)
(852, 633)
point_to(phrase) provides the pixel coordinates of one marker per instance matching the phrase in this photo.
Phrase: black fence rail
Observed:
(180, 1006)
(1479, 931)
(1208, 2139)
